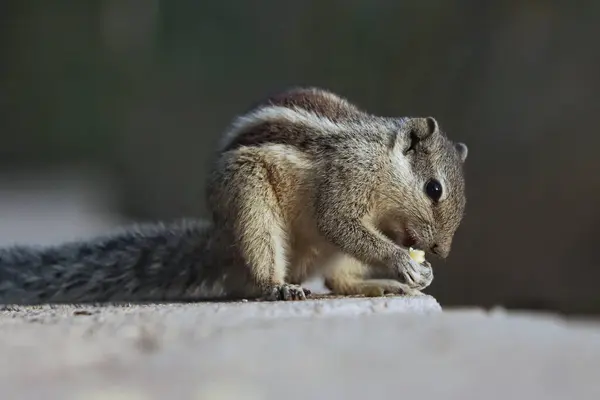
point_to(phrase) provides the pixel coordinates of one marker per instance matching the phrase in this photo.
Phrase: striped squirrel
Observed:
(304, 183)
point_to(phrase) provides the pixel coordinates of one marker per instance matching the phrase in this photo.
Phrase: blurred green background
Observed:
(142, 89)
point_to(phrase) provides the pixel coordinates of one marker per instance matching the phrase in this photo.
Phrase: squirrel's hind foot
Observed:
(371, 288)
(285, 292)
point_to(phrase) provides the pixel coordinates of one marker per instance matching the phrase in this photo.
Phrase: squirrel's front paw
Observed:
(285, 292)
(417, 275)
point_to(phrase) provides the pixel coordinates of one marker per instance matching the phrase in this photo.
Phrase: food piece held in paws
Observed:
(417, 255)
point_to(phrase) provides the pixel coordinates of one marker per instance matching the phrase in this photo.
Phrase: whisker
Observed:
(401, 204)
(387, 196)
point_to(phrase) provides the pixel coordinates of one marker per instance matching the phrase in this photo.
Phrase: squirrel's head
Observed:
(426, 199)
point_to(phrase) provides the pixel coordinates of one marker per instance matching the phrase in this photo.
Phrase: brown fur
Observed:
(306, 183)
(318, 101)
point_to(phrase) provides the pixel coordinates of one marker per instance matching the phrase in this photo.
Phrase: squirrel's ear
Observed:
(432, 126)
(462, 150)
(425, 127)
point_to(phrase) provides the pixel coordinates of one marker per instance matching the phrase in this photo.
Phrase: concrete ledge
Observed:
(324, 307)
(234, 312)
(320, 349)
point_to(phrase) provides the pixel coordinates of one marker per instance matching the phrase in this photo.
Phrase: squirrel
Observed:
(304, 183)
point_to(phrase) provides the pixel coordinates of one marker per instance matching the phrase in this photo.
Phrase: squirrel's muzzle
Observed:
(441, 251)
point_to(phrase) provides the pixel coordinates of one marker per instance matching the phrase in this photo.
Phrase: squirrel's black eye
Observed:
(433, 188)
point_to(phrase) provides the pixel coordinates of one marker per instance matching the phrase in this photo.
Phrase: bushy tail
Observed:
(146, 263)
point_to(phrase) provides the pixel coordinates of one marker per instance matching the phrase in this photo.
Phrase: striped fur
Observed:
(304, 183)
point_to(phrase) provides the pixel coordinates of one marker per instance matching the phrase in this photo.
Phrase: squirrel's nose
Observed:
(441, 251)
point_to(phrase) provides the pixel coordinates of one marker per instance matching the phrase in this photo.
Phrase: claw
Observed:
(286, 292)
(417, 276)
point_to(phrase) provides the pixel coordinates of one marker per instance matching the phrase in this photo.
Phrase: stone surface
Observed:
(346, 349)
(326, 349)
